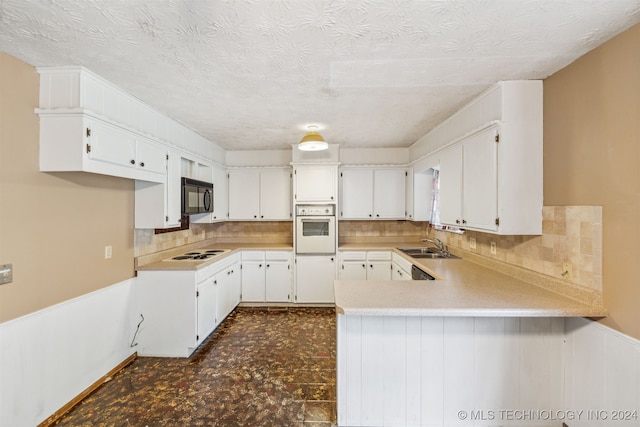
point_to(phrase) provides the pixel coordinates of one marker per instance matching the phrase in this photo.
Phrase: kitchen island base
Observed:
(453, 371)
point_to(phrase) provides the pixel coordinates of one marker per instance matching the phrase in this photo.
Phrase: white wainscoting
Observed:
(422, 371)
(602, 375)
(49, 357)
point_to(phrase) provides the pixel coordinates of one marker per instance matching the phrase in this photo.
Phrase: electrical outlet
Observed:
(494, 248)
(108, 252)
(472, 242)
(567, 270)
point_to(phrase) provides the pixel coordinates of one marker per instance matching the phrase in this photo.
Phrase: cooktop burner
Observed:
(198, 255)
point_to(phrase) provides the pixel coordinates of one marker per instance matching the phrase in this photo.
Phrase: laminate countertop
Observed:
(155, 262)
(462, 288)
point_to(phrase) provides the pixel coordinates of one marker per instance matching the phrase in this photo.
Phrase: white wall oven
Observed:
(315, 229)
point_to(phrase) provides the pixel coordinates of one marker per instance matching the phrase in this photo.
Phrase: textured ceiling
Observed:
(251, 74)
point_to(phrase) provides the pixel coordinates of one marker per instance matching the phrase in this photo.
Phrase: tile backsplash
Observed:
(147, 242)
(570, 247)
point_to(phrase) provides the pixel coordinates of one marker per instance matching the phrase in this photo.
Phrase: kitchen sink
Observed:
(428, 252)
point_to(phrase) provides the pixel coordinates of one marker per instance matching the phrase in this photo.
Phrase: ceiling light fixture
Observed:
(312, 141)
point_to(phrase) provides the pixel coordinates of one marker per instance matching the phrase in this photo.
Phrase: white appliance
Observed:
(315, 229)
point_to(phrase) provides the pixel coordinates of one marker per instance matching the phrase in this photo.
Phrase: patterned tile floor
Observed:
(259, 368)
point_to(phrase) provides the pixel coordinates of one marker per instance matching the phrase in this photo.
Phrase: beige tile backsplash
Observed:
(570, 247)
(225, 232)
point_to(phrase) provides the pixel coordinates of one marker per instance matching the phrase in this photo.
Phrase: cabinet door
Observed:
(480, 181)
(378, 270)
(244, 194)
(151, 157)
(408, 194)
(253, 281)
(314, 279)
(278, 281)
(206, 308)
(235, 286)
(398, 273)
(389, 193)
(110, 144)
(315, 183)
(451, 186)
(220, 194)
(353, 270)
(356, 196)
(222, 296)
(174, 191)
(275, 195)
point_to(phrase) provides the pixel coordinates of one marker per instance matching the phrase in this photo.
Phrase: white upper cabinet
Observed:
(256, 194)
(220, 194)
(82, 143)
(491, 178)
(315, 183)
(275, 194)
(244, 195)
(419, 194)
(158, 205)
(89, 125)
(356, 193)
(368, 193)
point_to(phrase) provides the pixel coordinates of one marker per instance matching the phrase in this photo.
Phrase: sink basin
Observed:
(427, 252)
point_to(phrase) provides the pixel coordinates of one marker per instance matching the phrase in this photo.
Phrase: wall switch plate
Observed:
(494, 248)
(472, 242)
(6, 273)
(108, 252)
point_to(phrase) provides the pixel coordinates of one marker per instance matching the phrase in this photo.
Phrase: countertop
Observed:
(154, 262)
(471, 286)
(461, 288)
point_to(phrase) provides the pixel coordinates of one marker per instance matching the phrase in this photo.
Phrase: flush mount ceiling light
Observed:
(312, 141)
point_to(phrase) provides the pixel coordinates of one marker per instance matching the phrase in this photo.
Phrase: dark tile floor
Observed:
(259, 368)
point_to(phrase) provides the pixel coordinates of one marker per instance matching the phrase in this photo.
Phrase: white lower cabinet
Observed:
(400, 268)
(361, 265)
(266, 276)
(315, 275)
(181, 308)
(206, 308)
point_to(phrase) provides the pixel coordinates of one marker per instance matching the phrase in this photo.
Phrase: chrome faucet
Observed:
(436, 242)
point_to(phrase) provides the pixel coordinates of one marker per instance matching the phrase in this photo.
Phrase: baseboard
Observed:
(93, 387)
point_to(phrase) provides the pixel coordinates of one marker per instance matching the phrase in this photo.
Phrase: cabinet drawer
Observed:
(379, 256)
(278, 255)
(253, 255)
(353, 256)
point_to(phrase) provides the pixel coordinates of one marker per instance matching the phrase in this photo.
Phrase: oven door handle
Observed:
(314, 220)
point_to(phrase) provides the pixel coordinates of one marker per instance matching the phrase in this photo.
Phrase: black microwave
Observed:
(197, 196)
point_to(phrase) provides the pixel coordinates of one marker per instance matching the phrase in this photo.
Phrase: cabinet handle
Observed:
(261, 216)
(141, 164)
(377, 215)
(331, 259)
(133, 162)
(259, 265)
(464, 221)
(457, 221)
(364, 266)
(331, 197)
(255, 216)
(370, 215)
(371, 266)
(268, 265)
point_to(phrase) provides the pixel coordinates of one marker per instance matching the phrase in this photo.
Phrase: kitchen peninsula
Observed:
(424, 352)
